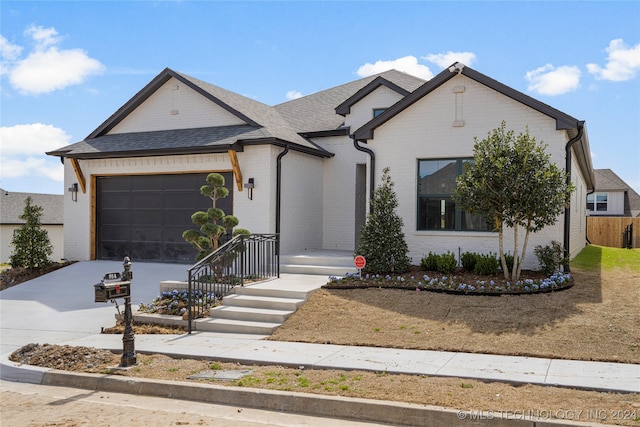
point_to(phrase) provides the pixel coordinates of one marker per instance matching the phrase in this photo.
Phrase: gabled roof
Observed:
(12, 206)
(264, 125)
(316, 113)
(345, 108)
(563, 121)
(607, 180)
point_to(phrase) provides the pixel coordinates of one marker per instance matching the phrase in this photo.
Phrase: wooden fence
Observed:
(609, 231)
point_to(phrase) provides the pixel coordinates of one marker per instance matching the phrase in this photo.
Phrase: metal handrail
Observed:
(245, 257)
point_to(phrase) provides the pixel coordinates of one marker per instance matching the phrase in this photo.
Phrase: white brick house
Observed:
(314, 162)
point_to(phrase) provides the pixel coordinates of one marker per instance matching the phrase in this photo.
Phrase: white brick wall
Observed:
(426, 131)
(301, 204)
(175, 106)
(339, 181)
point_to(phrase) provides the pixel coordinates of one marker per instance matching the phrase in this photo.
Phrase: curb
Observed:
(367, 410)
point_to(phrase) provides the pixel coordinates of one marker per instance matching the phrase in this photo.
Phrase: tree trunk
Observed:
(514, 270)
(503, 261)
(524, 249)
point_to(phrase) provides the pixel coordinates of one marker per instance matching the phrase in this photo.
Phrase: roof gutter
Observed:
(372, 168)
(279, 190)
(567, 209)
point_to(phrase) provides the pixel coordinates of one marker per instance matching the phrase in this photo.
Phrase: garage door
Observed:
(143, 217)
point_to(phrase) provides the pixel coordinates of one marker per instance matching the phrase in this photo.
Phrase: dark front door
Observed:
(143, 216)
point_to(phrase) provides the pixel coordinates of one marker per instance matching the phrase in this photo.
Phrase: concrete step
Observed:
(323, 270)
(326, 263)
(235, 326)
(264, 302)
(250, 314)
(274, 292)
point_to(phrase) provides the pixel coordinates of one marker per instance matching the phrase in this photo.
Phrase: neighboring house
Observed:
(612, 196)
(314, 162)
(12, 206)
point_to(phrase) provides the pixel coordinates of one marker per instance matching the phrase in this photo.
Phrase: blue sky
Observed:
(67, 66)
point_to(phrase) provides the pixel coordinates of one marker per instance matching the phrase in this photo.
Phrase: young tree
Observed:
(513, 181)
(214, 223)
(382, 241)
(31, 243)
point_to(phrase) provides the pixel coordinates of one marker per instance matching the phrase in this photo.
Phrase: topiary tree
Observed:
(214, 223)
(382, 241)
(513, 182)
(31, 243)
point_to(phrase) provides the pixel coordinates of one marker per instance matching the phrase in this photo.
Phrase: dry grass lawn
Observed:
(597, 319)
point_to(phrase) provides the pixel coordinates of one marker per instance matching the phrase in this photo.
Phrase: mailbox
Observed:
(112, 287)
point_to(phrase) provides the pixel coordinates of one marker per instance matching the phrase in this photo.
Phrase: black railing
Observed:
(243, 258)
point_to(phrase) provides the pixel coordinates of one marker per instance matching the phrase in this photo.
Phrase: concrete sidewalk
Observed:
(601, 376)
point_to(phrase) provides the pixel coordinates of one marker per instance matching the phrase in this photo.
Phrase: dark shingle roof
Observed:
(607, 180)
(195, 140)
(317, 112)
(12, 206)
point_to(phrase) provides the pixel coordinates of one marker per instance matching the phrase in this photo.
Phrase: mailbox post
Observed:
(117, 285)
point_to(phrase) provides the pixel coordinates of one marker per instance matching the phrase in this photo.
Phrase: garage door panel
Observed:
(116, 217)
(146, 216)
(143, 217)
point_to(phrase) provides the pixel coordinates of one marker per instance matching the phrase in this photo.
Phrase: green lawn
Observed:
(595, 257)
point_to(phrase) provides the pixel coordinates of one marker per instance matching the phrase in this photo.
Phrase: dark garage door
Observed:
(143, 217)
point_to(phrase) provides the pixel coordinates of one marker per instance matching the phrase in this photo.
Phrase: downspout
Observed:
(567, 209)
(279, 191)
(586, 231)
(372, 168)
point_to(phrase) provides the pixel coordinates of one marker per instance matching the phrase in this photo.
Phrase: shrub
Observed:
(382, 240)
(446, 263)
(486, 265)
(509, 260)
(430, 262)
(31, 244)
(551, 257)
(469, 260)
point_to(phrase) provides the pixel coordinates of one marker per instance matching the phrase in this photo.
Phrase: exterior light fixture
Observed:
(249, 185)
(74, 192)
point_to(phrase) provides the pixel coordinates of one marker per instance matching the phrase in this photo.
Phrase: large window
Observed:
(597, 202)
(436, 208)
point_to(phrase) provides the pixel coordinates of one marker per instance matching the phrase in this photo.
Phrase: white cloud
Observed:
(623, 63)
(407, 64)
(47, 67)
(23, 151)
(8, 50)
(444, 60)
(293, 94)
(549, 80)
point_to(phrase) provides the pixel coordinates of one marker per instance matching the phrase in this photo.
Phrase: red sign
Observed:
(359, 261)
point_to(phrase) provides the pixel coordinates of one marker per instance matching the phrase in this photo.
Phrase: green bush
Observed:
(430, 262)
(469, 260)
(550, 257)
(486, 265)
(31, 244)
(382, 240)
(509, 259)
(447, 263)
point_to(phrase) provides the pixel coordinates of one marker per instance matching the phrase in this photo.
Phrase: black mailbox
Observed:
(112, 287)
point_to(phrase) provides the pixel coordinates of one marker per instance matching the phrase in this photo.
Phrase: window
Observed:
(436, 208)
(597, 202)
(378, 111)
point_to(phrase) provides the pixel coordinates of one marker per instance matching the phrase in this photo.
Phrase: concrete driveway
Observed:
(60, 306)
